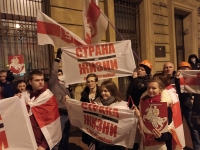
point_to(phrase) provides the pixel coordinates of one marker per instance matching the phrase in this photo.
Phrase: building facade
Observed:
(160, 30)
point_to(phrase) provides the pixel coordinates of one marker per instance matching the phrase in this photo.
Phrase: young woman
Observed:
(90, 93)
(110, 96)
(21, 86)
(136, 88)
(156, 92)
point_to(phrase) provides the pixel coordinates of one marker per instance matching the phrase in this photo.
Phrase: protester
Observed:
(186, 101)
(21, 86)
(90, 93)
(156, 93)
(194, 62)
(195, 65)
(6, 78)
(177, 130)
(168, 69)
(58, 88)
(138, 85)
(61, 78)
(136, 88)
(43, 112)
(110, 96)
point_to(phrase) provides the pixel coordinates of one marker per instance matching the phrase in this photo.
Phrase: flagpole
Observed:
(118, 33)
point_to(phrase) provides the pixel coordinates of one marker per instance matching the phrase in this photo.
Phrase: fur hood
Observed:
(165, 97)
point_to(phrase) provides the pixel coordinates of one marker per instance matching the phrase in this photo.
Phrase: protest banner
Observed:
(154, 116)
(16, 132)
(16, 64)
(106, 124)
(106, 60)
(190, 81)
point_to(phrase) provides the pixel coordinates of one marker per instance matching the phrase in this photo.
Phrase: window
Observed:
(18, 35)
(127, 23)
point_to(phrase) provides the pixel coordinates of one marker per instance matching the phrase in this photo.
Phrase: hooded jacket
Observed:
(196, 65)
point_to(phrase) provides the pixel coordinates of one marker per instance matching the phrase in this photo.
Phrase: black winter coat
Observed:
(136, 88)
(87, 139)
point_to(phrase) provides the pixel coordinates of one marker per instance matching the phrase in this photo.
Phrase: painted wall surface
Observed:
(157, 29)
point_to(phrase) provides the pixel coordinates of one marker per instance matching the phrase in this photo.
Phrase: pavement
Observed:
(75, 142)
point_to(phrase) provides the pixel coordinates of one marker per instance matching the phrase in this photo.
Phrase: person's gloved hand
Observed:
(59, 53)
(10, 77)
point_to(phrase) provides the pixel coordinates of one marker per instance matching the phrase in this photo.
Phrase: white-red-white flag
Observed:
(45, 110)
(94, 21)
(176, 126)
(190, 81)
(50, 32)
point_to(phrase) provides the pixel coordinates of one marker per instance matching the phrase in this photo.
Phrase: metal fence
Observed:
(128, 24)
(18, 35)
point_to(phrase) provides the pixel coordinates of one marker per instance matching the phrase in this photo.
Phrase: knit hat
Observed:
(147, 69)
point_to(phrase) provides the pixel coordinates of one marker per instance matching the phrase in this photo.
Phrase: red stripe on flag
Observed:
(189, 81)
(48, 28)
(46, 113)
(177, 118)
(65, 36)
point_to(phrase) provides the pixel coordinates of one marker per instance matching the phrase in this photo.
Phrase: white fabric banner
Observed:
(16, 132)
(106, 60)
(106, 124)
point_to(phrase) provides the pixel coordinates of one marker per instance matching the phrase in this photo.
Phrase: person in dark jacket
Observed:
(6, 78)
(58, 88)
(168, 69)
(138, 86)
(194, 62)
(186, 102)
(90, 93)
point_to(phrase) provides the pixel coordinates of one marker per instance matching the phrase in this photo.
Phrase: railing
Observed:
(128, 25)
(18, 34)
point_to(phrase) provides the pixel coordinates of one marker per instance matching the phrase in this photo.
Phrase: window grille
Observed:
(127, 23)
(18, 34)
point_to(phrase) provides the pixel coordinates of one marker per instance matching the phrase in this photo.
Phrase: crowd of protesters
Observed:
(143, 87)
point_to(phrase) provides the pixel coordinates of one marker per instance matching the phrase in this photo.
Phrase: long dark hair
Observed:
(163, 77)
(112, 88)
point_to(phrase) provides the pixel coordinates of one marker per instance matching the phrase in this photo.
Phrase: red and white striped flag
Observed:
(94, 21)
(50, 32)
(190, 81)
(45, 110)
(176, 126)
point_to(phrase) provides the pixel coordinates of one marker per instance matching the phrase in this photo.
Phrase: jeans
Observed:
(194, 133)
(65, 126)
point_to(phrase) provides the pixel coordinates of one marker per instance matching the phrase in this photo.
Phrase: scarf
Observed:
(156, 98)
(106, 102)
